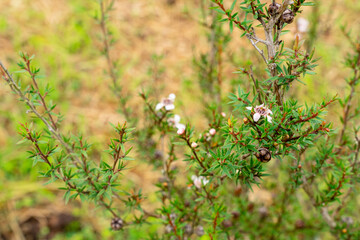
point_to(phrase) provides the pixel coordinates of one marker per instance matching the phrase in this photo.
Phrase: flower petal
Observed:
(269, 119)
(159, 106)
(197, 183)
(269, 111)
(180, 126)
(205, 181)
(172, 96)
(256, 117)
(176, 118)
(169, 107)
(249, 108)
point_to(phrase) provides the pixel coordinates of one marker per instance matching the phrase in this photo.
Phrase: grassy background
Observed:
(65, 39)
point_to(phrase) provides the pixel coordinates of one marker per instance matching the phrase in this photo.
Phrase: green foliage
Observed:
(269, 140)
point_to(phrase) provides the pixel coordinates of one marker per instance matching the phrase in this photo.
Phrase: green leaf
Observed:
(233, 5)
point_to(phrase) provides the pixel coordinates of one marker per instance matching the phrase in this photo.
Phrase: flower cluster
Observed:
(167, 103)
(175, 122)
(199, 181)
(261, 111)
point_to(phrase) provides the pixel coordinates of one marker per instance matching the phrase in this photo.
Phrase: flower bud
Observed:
(246, 121)
(212, 131)
(223, 114)
(194, 145)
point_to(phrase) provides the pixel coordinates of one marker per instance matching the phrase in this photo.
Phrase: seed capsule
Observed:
(299, 224)
(117, 224)
(263, 212)
(288, 16)
(226, 223)
(274, 8)
(263, 154)
(199, 230)
(188, 229)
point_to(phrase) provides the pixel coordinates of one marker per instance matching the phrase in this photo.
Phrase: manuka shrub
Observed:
(258, 141)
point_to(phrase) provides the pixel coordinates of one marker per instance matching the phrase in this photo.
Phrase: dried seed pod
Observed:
(168, 228)
(347, 220)
(238, 191)
(188, 230)
(235, 214)
(250, 207)
(199, 230)
(158, 155)
(263, 212)
(117, 224)
(274, 9)
(288, 16)
(263, 154)
(226, 223)
(299, 224)
(173, 216)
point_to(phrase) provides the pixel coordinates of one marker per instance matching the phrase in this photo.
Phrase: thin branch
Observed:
(16, 88)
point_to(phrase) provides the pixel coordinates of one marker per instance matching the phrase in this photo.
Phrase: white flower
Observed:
(199, 181)
(223, 114)
(194, 145)
(175, 122)
(302, 25)
(181, 131)
(212, 131)
(207, 137)
(168, 103)
(261, 111)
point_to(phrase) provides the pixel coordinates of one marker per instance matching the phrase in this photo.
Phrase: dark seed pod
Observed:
(158, 155)
(263, 154)
(171, 2)
(288, 16)
(299, 224)
(250, 207)
(117, 224)
(274, 9)
(226, 223)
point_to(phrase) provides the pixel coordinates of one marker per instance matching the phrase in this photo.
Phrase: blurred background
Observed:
(157, 41)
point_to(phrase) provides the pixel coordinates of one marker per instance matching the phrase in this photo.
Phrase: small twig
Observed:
(13, 85)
